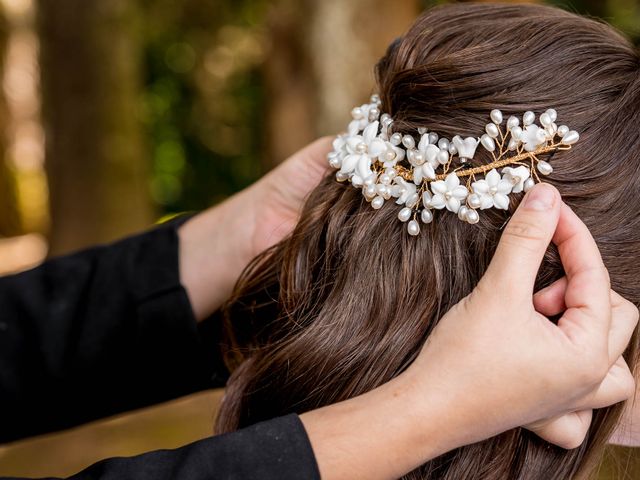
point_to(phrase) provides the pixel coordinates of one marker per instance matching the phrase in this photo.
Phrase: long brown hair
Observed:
(345, 303)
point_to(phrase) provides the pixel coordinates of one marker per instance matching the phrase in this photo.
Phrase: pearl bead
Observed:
(342, 176)
(433, 137)
(492, 130)
(373, 114)
(386, 122)
(474, 201)
(452, 149)
(408, 141)
(371, 179)
(544, 168)
(552, 114)
(545, 120)
(512, 122)
(361, 147)
(422, 130)
(442, 157)
(551, 130)
(375, 98)
(335, 162)
(426, 199)
(370, 192)
(472, 217)
(390, 172)
(385, 179)
(382, 190)
(513, 144)
(462, 213)
(563, 130)
(426, 216)
(496, 116)
(487, 142)
(404, 214)
(396, 139)
(529, 183)
(528, 118)
(443, 144)
(412, 201)
(570, 137)
(389, 156)
(413, 228)
(418, 158)
(516, 133)
(356, 113)
(377, 203)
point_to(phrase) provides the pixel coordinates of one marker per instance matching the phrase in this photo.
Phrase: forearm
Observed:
(384, 433)
(214, 249)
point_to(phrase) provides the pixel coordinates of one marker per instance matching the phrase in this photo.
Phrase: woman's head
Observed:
(345, 303)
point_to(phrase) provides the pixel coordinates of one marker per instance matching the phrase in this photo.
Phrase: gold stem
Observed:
(465, 172)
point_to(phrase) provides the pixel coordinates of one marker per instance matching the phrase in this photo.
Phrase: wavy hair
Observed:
(345, 302)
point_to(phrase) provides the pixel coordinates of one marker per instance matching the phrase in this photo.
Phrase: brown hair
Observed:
(345, 303)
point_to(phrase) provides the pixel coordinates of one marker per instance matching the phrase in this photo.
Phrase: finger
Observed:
(525, 239)
(624, 320)
(618, 385)
(587, 294)
(550, 300)
(567, 431)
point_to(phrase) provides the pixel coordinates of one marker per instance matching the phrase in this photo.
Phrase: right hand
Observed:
(499, 359)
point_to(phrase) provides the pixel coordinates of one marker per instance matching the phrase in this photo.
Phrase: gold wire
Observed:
(406, 174)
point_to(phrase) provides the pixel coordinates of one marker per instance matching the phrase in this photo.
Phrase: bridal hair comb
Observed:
(427, 175)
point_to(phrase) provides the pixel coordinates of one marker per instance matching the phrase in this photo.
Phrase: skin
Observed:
(468, 383)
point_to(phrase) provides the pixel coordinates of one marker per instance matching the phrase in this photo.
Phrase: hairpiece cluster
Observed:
(426, 174)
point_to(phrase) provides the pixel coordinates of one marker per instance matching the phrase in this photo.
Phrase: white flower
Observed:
(428, 168)
(359, 124)
(398, 155)
(339, 151)
(448, 193)
(493, 191)
(402, 190)
(517, 176)
(466, 148)
(532, 137)
(361, 150)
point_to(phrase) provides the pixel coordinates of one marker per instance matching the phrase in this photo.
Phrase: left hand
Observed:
(278, 197)
(217, 244)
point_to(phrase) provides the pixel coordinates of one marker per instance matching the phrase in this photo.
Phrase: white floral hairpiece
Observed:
(372, 158)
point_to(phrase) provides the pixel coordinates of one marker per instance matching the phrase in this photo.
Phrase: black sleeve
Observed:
(278, 449)
(100, 332)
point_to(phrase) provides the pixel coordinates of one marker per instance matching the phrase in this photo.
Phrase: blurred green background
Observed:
(117, 113)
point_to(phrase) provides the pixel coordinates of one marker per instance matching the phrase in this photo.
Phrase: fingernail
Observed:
(540, 198)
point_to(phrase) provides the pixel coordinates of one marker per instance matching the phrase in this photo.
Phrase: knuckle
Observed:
(627, 386)
(633, 312)
(522, 231)
(593, 372)
(573, 439)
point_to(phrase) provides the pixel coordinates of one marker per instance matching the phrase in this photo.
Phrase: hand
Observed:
(569, 430)
(277, 198)
(518, 368)
(216, 245)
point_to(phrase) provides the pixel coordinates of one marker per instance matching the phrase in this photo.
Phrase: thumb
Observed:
(524, 241)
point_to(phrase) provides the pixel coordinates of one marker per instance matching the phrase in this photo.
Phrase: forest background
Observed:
(117, 114)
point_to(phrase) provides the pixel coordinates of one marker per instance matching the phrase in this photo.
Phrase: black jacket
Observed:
(111, 329)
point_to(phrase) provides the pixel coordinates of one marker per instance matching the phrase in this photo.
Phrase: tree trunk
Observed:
(9, 213)
(321, 65)
(95, 160)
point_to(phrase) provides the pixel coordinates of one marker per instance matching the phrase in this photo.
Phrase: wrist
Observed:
(215, 246)
(384, 433)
